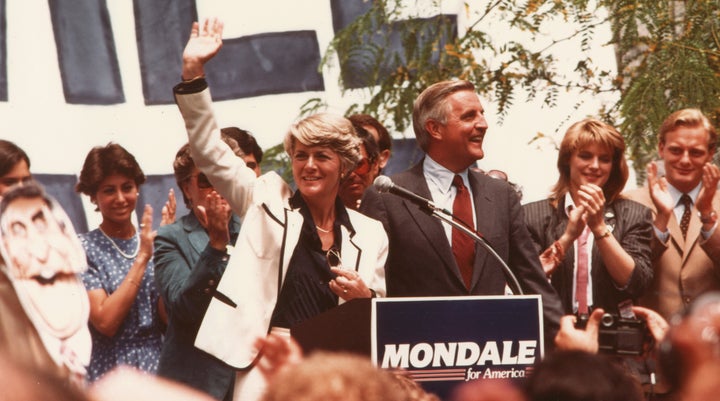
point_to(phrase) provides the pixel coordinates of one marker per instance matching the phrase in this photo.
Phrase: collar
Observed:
(676, 194)
(341, 215)
(569, 204)
(440, 177)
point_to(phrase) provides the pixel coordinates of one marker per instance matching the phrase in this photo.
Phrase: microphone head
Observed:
(383, 183)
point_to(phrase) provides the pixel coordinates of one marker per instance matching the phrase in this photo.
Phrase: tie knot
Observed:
(686, 200)
(458, 182)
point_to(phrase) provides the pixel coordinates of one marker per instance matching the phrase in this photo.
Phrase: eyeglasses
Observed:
(202, 181)
(363, 166)
(333, 257)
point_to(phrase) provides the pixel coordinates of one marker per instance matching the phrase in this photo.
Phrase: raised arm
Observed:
(227, 172)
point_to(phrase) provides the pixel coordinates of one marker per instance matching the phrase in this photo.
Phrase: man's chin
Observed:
(60, 308)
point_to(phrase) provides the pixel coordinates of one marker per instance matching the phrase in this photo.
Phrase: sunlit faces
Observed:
(43, 258)
(197, 188)
(685, 152)
(316, 170)
(460, 140)
(590, 165)
(384, 154)
(20, 173)
(252, 163)
(358, 180)
(116, 198)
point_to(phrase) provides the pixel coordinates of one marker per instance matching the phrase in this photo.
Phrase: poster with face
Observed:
(43, 258)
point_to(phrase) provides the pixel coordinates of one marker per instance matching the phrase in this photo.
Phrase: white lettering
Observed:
(396, 355)
(421, 355)
(490, 354)
(467, 353)
(461, 354)
(507, 358)
(526, 353)
(444, 354)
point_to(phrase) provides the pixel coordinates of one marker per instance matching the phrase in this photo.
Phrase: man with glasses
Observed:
(354, 184)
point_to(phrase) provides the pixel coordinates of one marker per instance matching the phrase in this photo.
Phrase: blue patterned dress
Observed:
(138, 341)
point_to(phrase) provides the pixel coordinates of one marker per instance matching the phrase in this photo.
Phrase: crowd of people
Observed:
(204, 305)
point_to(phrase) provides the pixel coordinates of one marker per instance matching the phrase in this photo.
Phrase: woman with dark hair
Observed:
(613, 264)
(14, 165)
(124, 317)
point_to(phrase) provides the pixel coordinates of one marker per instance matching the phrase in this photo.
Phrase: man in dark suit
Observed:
(190, 257)
(449, 125)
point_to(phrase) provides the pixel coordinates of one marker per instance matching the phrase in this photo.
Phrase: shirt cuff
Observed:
(195, 85)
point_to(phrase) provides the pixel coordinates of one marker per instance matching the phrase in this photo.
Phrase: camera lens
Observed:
(607, 320)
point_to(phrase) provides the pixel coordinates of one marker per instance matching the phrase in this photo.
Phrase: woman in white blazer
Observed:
(280, 272)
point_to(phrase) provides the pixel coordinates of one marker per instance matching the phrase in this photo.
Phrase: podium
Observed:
(440, 342)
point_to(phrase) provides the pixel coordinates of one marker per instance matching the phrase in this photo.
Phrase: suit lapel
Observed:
(350, 250)
(197, 236)
(430, 227)
(484, 209)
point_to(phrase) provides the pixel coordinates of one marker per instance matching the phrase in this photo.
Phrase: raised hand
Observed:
(168, 211)
(577, 220)
(660, 195)
(204, 43)
(592, 199)
(710, 179)
(147, 235)
(571, 338)
(214, 217)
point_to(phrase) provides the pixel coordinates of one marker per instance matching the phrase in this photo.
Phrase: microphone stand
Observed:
(447, 217)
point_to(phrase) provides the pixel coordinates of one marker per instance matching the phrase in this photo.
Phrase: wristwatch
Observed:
(709, 219)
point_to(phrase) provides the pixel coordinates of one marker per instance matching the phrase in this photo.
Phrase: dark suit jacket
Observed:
(187, 271)
(420, 260)
(631, 225)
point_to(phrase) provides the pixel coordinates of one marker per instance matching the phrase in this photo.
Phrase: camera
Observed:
(618, 335)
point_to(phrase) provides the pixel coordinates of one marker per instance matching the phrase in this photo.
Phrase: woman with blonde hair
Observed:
(298, 253)
(594, 245)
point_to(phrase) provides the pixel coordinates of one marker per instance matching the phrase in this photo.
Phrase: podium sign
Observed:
(439, 341)
(442, 342)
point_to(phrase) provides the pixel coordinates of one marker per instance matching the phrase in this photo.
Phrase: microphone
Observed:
(384, 184)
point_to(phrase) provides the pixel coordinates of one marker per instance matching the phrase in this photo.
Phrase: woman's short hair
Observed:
(432, 105)
(689, 118)
(585, 133)
(104, 161)
(330, 130)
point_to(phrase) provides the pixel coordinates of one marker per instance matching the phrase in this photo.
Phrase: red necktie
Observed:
(582, 272)
(463, 246)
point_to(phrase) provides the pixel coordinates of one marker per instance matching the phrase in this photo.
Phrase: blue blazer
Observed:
(187, 271)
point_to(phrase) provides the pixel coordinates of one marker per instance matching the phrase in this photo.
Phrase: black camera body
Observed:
(618, 335)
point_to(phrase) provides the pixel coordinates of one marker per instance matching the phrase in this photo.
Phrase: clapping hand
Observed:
(214, 217)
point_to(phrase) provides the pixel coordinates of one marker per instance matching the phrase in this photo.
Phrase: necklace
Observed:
(117, 248)
(322, 230)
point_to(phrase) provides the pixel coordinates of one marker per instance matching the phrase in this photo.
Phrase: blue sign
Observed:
(445, 341)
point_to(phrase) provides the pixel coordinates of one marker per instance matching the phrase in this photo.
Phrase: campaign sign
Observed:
(445, 341)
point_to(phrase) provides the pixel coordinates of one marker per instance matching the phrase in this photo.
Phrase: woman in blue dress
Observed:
(125, 319)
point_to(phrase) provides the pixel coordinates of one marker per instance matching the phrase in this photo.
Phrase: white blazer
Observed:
(246, 295)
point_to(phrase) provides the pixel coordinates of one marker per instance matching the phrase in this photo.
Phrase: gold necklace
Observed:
(322, 229)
